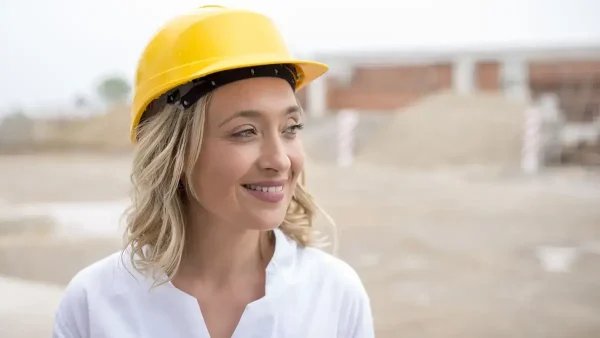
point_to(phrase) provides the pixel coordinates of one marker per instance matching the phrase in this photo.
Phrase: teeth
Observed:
(264, 189)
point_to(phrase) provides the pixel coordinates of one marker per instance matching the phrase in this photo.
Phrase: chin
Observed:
(265, 219)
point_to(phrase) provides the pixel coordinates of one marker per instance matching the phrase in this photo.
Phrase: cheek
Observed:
(296, 155)
(218, 173)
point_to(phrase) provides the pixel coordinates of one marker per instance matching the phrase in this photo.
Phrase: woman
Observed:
(219, 236)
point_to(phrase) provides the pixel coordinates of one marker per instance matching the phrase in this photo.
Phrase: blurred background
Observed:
(455, 143)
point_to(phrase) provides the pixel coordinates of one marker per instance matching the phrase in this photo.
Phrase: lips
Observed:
(271, 192)
(271, 189)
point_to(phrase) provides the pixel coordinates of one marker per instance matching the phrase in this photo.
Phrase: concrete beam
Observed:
(463, 75)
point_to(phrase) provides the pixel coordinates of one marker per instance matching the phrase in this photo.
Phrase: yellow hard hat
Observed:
(206, 41)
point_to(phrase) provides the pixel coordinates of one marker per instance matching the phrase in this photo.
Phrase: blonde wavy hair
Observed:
(168, 145)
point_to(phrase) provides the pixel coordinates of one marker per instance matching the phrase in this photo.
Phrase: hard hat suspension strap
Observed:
(206, 84)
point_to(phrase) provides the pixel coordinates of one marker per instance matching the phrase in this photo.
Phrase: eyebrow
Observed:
(253, 114)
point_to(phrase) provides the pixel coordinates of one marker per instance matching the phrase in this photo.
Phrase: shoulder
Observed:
(316, 268)
(341, 280)
(100, 276)
(330, 272)
(330, 269)
(101, 279)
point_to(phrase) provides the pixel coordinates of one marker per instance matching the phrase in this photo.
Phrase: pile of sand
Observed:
(109, 131)
(449, 130)
(15, 225)
(105, 132)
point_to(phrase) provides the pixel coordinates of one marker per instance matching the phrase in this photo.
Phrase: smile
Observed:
(269, 194)
(273, 189)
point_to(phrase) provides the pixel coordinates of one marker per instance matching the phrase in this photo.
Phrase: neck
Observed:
(219, 253)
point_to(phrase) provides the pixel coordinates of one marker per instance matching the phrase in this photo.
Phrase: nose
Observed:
(274, 155)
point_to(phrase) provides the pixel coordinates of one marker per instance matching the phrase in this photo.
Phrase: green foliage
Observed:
(114, 89)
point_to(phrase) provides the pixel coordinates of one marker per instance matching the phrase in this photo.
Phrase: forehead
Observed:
(267, 95)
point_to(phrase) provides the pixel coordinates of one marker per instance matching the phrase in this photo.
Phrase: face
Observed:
(251, 154)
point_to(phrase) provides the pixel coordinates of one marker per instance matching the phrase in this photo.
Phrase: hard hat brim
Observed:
(308, 72)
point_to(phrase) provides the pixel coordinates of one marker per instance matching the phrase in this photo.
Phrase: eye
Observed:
(294, 128)
(249, 132)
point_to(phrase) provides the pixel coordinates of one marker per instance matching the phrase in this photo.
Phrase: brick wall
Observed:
(378, 87)
(552, 71)
(487, 76)
(388, 87)
(577, 83)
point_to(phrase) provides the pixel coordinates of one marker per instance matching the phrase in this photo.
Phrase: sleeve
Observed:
(61, 329)
(357, 320)
(360, 323)
(71, 316)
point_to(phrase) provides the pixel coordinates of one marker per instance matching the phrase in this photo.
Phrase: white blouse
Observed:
(309, 294)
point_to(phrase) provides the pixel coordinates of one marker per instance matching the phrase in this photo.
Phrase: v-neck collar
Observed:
(279, 278)
(280, 268)
(278, 272)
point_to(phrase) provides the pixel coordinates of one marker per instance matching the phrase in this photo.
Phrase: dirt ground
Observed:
(444, 253)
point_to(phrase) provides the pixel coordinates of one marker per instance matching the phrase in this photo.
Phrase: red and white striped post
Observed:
(347, 120)
(532, 142)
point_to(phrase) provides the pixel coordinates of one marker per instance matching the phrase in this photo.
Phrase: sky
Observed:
(52, 50)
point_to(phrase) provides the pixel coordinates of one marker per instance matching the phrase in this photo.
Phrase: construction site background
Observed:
(452, 232)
